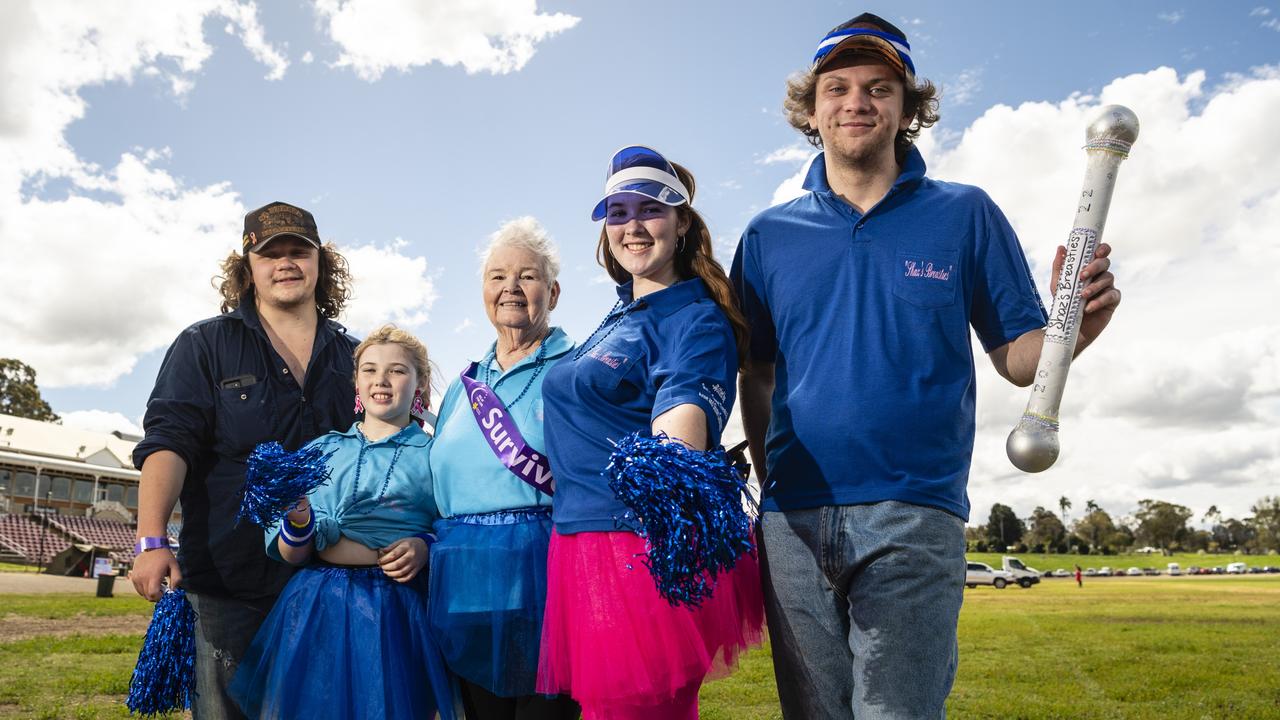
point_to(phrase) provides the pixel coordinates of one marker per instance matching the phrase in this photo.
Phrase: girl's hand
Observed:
(300, 513)
(403, 559)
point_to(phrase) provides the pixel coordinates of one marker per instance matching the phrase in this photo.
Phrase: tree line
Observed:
(1156, 523)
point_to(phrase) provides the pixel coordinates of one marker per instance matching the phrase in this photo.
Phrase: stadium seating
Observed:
(24, 535)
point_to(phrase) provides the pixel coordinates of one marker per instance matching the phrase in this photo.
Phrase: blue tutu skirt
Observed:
(345, 642)
(488, 592)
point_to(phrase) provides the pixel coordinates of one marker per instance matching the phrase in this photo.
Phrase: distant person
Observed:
(273, 366)
(1079, 577)
(489, 566)
(858, 400)
(350, 635)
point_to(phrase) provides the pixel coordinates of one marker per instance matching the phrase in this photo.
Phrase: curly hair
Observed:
(333, 289)
(693, 259)
(919, 102)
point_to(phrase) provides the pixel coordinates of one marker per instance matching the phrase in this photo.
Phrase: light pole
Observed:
(48, 495)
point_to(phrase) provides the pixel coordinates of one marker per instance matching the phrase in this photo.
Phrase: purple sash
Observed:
(504, 438)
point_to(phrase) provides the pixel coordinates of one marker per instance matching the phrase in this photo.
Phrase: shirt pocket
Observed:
(246, 417)
(604, 367)
(927, 278)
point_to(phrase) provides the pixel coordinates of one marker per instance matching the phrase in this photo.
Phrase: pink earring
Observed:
(359, 405)
(418, 409)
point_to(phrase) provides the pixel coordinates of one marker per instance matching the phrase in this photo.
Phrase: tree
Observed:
(1064, 505)
(1003, 527)
(1095, 527)
(1044, 528)
(1161, 523)
(19, 394)
(1266, 523)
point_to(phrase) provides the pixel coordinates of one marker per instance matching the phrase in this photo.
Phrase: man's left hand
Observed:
(1100, 294)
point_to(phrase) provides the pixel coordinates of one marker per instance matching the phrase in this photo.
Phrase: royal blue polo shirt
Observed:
(671, 347)
(866, 318)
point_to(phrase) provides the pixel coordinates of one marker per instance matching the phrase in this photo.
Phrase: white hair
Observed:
(525, 233)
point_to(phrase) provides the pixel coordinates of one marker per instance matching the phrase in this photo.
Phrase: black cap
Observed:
(270, 221)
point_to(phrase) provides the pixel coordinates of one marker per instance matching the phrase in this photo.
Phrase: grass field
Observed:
(1047, 563)
(1161, 648)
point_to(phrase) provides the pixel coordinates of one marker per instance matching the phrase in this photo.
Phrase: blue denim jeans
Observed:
(862, 603)
(224, 629)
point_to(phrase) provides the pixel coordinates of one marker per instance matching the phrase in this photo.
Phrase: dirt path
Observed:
(25, 627)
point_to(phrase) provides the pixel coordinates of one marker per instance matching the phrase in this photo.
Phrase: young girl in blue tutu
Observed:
(349, 636)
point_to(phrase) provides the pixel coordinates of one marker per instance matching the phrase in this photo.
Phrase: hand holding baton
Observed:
(1033, 444)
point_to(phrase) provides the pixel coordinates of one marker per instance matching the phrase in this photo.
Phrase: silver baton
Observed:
(1033, 444)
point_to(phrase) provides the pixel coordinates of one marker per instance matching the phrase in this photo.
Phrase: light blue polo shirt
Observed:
(374, 497)
(670, 348)
(867, 317)
(468, 477)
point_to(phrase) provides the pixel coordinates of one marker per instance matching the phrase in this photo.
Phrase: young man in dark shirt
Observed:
(273, 366)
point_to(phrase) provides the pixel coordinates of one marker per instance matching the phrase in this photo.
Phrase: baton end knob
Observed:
(1032, 447)
(1114, 125)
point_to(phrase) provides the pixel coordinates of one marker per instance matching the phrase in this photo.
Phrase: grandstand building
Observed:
(61, 486)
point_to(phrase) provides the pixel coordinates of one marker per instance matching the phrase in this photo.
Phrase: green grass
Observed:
(1049, 562)
(14, 567)
(1167, 649)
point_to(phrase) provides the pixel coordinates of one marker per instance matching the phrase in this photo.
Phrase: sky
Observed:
(134, 136)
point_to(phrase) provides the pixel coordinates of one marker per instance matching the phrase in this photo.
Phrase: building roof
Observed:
(72, 446)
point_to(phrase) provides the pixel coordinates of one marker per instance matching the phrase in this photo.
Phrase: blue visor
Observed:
(643, 171)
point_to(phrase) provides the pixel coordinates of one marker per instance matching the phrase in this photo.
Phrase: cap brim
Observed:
(651, 189)
(263, 243)
(868, 45)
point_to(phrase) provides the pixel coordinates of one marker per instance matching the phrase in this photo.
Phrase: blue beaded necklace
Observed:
(593, 341)
(386, 480)
(538, 362)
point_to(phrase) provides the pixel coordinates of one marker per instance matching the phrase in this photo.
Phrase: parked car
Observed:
(977, 573)
(1105, 571)
(1090, 572)
(1174, 569)
(1023, 575)
(1133, 571)
(1191, 570)
(1236, 568)
(1060, 572)
(1270, 569)
(1150, 571)
(1254, 569)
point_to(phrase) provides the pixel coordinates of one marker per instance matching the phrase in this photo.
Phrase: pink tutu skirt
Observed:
(609, 639)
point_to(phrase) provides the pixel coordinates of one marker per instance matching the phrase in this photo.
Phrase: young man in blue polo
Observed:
(859, 403)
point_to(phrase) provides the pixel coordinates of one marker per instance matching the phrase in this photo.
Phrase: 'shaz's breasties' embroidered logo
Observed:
(925, 269)
(612, 359)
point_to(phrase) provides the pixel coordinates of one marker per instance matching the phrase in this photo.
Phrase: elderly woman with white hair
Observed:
(488, 574)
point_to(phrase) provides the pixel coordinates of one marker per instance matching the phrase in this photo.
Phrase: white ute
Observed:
(1023, 575)
(977, 573)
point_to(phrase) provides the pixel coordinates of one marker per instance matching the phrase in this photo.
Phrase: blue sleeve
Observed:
(749, 284)
(180, 412)
(699, 368)
(1005, 301)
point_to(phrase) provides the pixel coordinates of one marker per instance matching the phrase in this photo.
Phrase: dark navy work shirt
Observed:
(867, 317)
(672, 347)
(222, 389)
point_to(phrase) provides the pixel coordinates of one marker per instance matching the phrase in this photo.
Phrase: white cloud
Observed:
(963, 88)
(244, 24)
(1260, 11)
(100, 421)
(94, 292)
(308, 58)
(790, 154)
(389, 287)
(464, 325)
(1181, 396)
(495, 36)
(1173, 18)
(792, 187)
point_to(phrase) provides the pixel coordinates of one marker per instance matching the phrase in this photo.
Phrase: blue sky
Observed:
(411, 143)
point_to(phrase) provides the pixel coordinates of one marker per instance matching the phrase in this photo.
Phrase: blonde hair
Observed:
(391, 335)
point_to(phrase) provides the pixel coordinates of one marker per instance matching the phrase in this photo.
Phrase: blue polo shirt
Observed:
(468, 477)
(671, 347)
(866, 318)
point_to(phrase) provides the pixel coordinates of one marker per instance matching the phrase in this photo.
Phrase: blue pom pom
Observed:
(275, 479)
(691, 504)
(165, 676)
